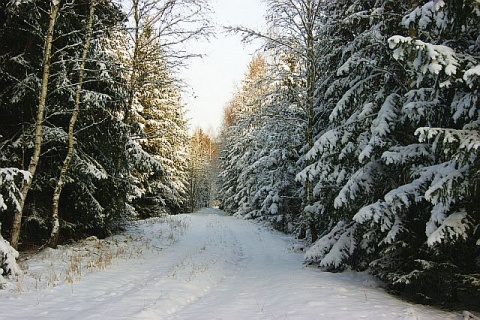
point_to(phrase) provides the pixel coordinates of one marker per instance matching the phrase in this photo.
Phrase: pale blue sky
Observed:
(213, 79)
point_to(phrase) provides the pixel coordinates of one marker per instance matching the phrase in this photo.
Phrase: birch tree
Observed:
(55, 5)
(174, 23)
(71, 139)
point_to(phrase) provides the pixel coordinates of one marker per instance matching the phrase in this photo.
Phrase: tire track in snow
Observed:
(271, 283)
(207, 257)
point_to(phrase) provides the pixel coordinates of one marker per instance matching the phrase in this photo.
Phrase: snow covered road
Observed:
(211, 266)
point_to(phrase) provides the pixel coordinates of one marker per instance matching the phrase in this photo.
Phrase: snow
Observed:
(439, 57)
(454, 226)
(425, 15)
(18, 2)
(475, 71)
(403, 154)
(9, 187)
(201, 266)
(471, 74)
(8, 264)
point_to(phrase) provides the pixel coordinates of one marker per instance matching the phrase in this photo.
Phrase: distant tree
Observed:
(237, 144)
(154, 113)
(260, 145)
(201, 170)
(280, 139)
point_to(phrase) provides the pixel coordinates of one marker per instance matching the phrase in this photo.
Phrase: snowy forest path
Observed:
(209, 265)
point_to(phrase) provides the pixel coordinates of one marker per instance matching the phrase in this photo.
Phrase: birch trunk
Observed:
(17, 219)
(311, 13)
(53, 241)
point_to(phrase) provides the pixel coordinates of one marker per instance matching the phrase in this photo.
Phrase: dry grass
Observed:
(68, 264)
(72, 263)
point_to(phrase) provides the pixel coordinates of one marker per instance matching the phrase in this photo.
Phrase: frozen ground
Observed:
(201, 266)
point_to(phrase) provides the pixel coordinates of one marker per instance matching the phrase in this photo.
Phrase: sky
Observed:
(213, 79)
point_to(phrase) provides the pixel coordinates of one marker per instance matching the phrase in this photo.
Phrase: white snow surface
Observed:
(205, 265)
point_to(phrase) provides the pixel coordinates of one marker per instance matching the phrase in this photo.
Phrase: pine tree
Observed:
(262, 143)
(391, 176)
(154, 112)
(293, 32)
(162, 130)
(441, 55)
(238, 141)
(362, 100)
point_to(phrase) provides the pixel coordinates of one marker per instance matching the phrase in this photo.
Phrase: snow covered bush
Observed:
(9, 196)
(8, 261)
(10, 178)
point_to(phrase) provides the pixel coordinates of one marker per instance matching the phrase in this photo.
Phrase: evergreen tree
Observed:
(162, 132)
(401, 134)
(362, 98)
(158, 137)
(238, 141)
(279, 138)
(110, 166)
(262, 144)
(442, 58)
(293, 28)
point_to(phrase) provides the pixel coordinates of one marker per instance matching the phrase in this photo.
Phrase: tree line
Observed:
(92, 126)
(357, 130)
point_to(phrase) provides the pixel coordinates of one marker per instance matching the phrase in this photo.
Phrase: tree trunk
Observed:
(133, 86)
(127, 117)
(310, 110)
(52, 243)
(17, 219)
